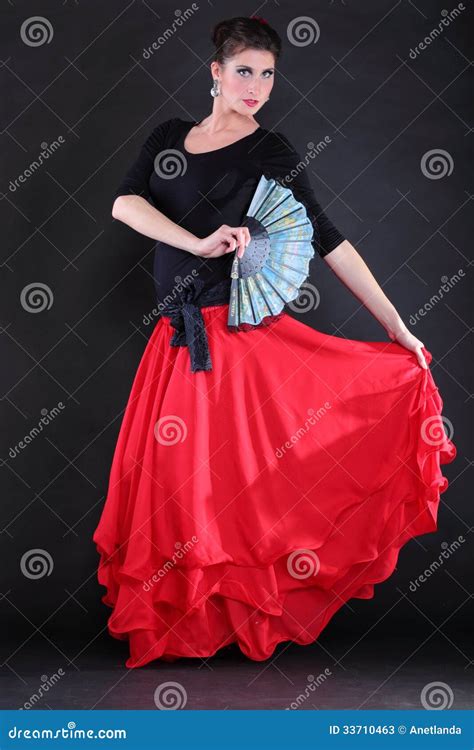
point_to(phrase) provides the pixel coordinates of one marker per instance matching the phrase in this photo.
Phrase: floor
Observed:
(336, 672)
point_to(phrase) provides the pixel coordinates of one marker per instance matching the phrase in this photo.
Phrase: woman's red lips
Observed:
(251, 102)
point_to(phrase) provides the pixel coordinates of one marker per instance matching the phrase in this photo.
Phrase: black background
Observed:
(91, 85)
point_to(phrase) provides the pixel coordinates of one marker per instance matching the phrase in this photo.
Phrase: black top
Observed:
(200, 192)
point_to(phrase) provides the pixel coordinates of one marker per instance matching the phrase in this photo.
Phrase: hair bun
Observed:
(232, 35)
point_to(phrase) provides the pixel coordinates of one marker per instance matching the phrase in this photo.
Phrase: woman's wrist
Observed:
(190, 243)
(392, 322)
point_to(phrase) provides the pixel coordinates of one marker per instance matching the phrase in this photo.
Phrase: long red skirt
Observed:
(248, 503)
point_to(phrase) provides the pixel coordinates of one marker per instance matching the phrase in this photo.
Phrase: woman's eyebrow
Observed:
(242, 65)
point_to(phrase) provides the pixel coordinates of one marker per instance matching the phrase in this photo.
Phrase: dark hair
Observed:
(236, 34)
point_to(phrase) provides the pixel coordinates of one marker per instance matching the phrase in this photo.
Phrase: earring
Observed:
(215, 91)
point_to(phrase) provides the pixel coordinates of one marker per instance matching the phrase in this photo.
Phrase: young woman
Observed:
(264, 477)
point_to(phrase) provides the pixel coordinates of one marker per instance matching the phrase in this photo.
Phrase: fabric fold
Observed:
(250, 508)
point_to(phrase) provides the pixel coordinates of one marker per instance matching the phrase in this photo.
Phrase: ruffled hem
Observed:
(258, 607)
(268, 568)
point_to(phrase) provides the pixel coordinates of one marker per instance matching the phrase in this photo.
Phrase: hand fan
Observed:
(276, 260)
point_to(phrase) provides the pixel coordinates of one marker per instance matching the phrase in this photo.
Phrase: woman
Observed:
(261, 478)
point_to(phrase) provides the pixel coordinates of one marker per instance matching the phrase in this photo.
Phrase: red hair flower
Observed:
(259, 18)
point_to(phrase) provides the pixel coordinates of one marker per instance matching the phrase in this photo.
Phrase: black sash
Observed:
(186, 318)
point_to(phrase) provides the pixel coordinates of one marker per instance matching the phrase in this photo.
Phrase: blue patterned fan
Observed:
(276, 260)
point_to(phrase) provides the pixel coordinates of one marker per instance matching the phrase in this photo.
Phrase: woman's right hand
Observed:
(224, 240)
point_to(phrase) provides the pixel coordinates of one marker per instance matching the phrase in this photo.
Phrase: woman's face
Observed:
(246, 80)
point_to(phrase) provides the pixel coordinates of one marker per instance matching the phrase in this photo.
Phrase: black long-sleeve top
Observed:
(200, 192)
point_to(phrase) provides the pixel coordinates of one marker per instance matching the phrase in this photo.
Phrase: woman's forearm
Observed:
(140, 215)
(352, 270)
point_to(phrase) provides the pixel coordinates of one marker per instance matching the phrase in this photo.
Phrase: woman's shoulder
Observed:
(165, 132)
(275, 147)
(163, 127)
(275, 142)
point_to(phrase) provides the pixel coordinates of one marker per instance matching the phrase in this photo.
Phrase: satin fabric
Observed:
(248, 503)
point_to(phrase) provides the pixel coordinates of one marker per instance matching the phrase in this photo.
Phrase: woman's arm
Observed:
(140, 215)
(282, 161)
(132, 207)
(352, 270)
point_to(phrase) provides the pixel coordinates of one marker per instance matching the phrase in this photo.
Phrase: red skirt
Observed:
(248, 503)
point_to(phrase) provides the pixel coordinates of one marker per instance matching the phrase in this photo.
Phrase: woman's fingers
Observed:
(230, 237)
(237, 238)
(405, 338)
(421, 356)
(241, 240)
(244, 239)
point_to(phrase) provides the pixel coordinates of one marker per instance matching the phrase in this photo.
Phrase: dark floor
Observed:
(346, 673)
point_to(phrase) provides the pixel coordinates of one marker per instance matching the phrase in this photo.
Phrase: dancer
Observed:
(261, 478)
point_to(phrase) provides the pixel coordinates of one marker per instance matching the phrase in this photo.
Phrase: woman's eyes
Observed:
(270, 73)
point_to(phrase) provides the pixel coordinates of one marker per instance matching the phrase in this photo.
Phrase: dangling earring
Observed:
(215, 91)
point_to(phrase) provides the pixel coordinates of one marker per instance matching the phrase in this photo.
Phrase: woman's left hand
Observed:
(409, 341)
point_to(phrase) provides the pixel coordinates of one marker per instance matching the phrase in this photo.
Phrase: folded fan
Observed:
(276, 261)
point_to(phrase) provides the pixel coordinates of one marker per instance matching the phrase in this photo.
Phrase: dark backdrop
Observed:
(87, 93)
